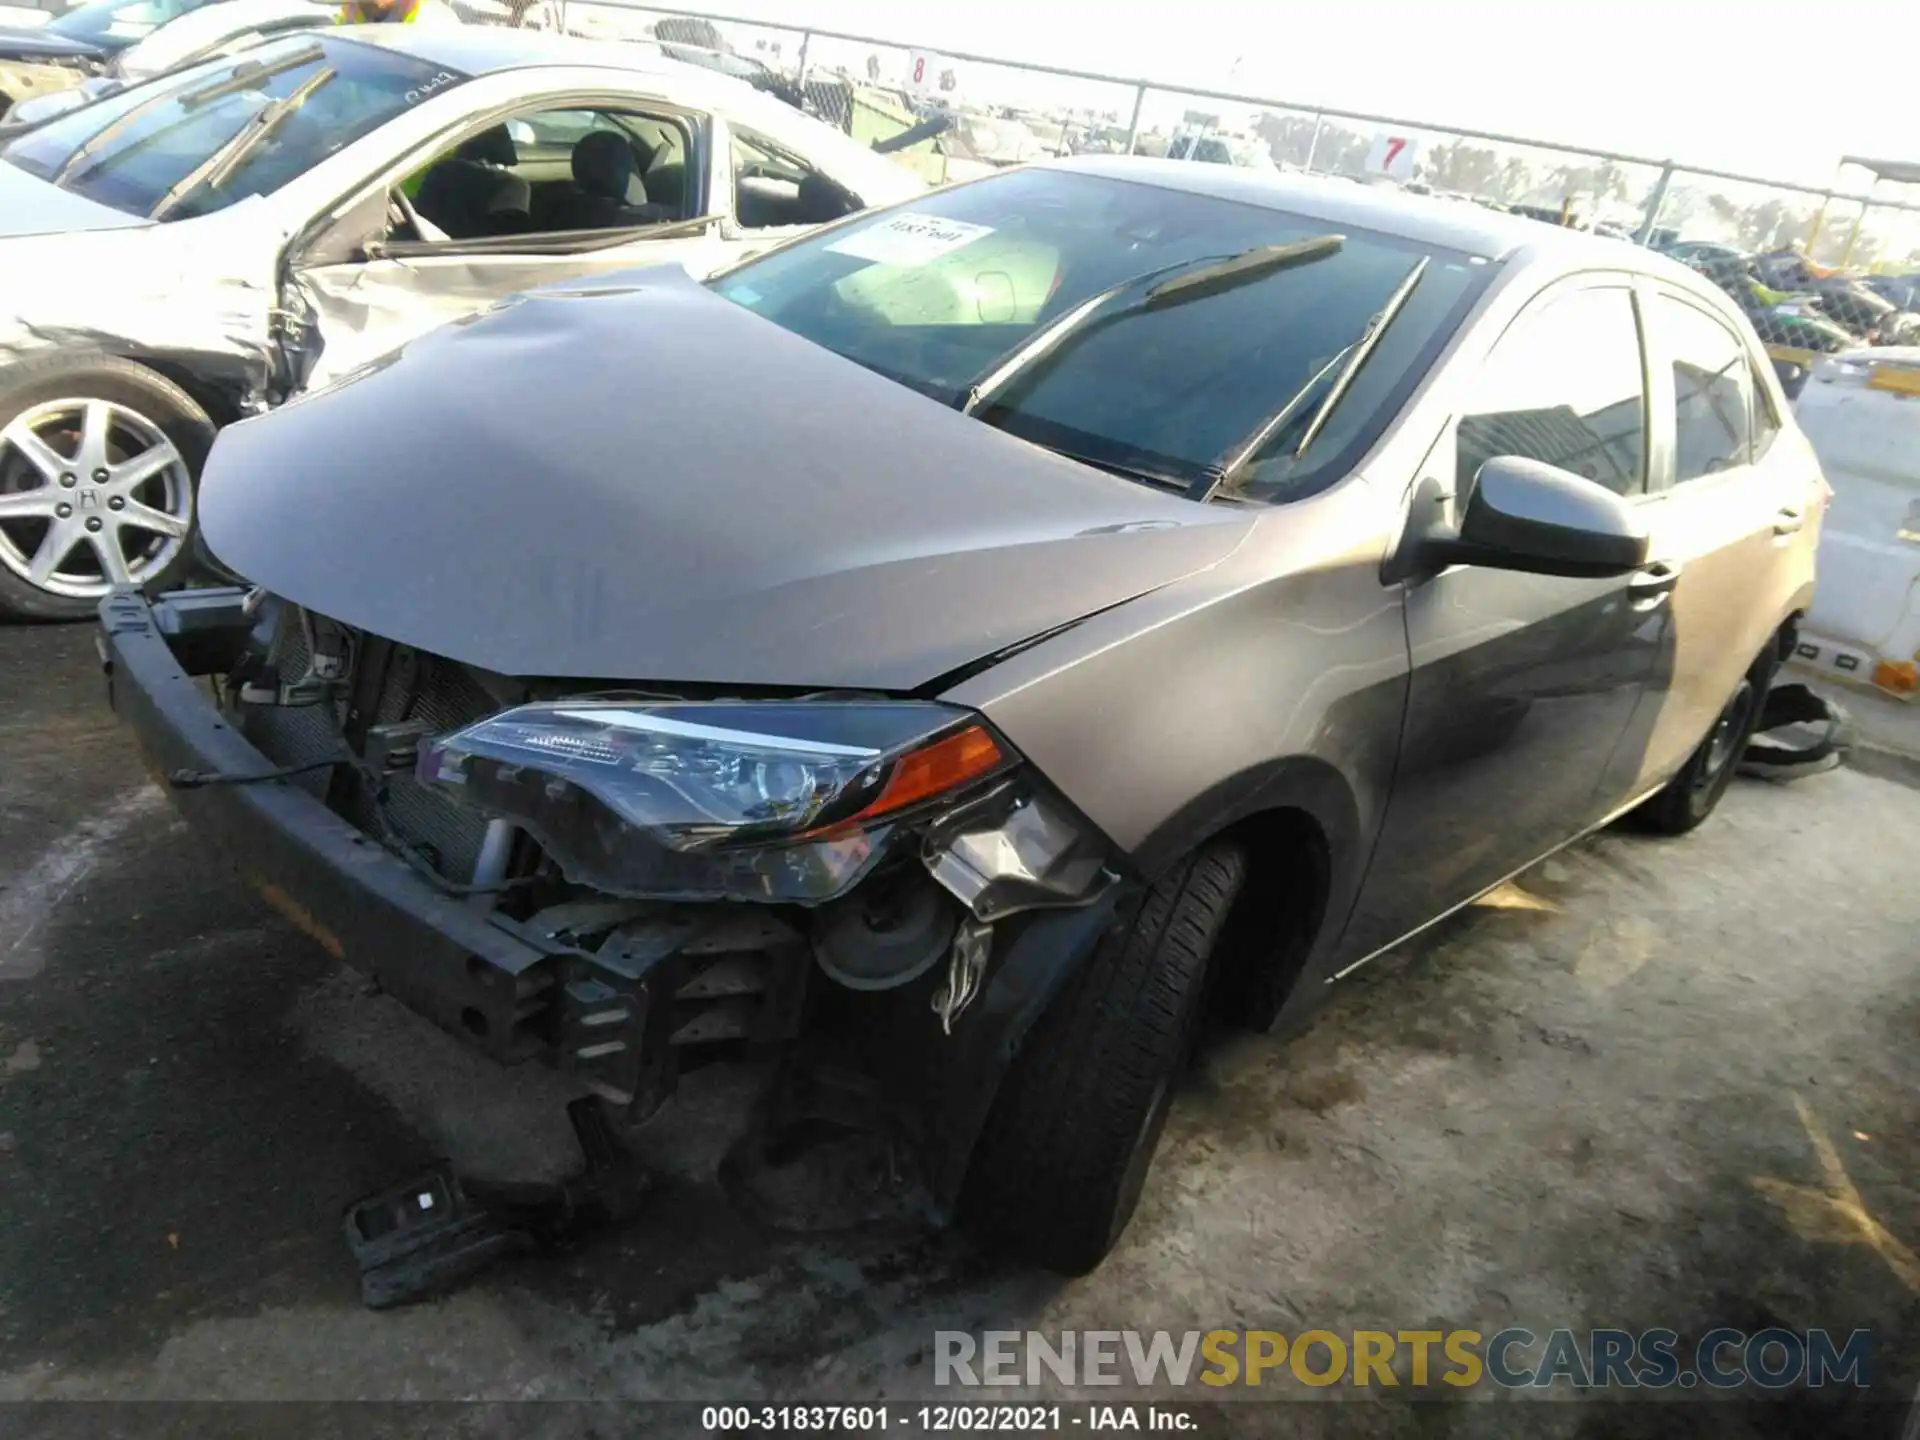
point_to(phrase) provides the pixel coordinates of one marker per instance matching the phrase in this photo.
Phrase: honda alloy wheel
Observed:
(99, 458)
(93, 495)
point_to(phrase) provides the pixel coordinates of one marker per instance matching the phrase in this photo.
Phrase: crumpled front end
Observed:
(627, 885)
(144, 293)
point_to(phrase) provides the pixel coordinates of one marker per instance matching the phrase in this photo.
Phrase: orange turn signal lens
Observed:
(945, 765)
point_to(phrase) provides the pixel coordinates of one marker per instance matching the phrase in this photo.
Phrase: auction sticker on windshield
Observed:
(908, 239)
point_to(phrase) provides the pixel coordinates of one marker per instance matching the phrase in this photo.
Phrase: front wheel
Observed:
(99, 458)
(1066, 1148)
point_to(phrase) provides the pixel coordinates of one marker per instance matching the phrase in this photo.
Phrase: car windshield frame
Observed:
(115, 151)
(802, 286)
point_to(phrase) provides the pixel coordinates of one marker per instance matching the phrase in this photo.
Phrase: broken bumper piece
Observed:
(427, 1235)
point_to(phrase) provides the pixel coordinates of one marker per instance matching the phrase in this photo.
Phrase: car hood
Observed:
(24, 44)
(31, 206)
(639, 480)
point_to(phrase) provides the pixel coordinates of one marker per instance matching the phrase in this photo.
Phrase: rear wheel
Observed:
(1692, 795)
(99, 458)
(1067, 1146)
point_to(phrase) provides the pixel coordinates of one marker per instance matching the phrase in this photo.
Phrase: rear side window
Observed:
(1565, 385)
(1713, 396)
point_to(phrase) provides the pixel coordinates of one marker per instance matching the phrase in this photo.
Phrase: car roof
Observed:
(1448, 224)
(489, 49)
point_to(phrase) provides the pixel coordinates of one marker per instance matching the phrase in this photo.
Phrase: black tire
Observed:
(163, 404)
(1693, 794)
(1071, 1135)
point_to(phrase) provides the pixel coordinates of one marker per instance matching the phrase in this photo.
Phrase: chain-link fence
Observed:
(1775, 246)
(517, 14)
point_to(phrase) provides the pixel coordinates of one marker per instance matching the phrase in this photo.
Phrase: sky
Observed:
(1753, 88)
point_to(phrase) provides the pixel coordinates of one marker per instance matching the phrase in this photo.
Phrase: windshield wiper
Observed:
(247, 73)
(1143, 474)
(215, 169)
(1169, 285)
(1355, 356)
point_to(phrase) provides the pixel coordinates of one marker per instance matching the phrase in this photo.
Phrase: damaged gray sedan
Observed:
(194, 249)
(971, 646)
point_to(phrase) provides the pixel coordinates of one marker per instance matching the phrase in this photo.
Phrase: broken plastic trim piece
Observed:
(966, 963)
(1033, 858)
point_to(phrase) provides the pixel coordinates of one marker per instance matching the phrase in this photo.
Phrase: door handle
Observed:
(1788, 520)
(1653, 583)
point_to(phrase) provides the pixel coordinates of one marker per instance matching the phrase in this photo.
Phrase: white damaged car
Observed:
(196, 249)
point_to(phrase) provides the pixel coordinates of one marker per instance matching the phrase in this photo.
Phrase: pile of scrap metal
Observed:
(1801, 310)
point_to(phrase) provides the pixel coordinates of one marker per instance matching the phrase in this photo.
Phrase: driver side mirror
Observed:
(1532, 517)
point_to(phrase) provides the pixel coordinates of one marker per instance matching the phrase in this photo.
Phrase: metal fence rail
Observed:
(1003, 112)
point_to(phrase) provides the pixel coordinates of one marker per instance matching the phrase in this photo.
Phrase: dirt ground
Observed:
(1651, 1084)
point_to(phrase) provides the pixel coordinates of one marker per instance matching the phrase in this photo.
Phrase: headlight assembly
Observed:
(777, 801)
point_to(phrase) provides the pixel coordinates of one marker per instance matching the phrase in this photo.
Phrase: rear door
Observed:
(1731, 515)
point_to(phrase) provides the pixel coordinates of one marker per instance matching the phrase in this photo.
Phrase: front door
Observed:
(366, 308)
(561, 192)
(1522, 686)
(565, 191)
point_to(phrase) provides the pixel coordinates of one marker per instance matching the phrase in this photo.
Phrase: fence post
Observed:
(1819, 224)
(1853, 238)
(1655, 203)
(1313, 141)
(806, 40)
(1133, 126)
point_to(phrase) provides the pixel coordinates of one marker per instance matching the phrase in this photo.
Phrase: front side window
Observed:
(1712, 392)
(223, 131)
(938, 293)
(1565, 386)
(549, 172)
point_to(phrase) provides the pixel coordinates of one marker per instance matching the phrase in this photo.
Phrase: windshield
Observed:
(935, 293)
(119, 22)
(168, 148)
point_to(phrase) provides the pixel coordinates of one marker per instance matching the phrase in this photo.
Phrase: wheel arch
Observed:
(1307, 836)
(223, 395)
(226, 387)
(1278, 917)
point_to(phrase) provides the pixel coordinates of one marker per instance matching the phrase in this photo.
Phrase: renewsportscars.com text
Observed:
(1514, 1358)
